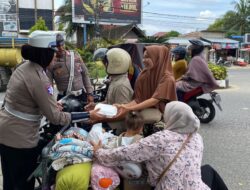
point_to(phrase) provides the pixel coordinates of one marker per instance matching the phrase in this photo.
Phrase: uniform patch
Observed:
(50, 90)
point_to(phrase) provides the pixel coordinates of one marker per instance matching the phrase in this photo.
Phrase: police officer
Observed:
(29, 94)
(61, 72)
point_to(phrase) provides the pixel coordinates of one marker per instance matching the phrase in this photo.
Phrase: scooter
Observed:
(203, 108)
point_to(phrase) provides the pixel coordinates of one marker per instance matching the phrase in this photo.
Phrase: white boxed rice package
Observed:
(106, 109)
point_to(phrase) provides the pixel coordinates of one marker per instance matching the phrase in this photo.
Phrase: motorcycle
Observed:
(203, 108)
(226, 63)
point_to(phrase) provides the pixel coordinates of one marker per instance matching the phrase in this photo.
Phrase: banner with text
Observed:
(106, 11)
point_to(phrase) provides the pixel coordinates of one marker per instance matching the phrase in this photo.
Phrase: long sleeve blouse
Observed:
(157, 151)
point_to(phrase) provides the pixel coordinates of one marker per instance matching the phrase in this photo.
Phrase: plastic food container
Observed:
(107, 110)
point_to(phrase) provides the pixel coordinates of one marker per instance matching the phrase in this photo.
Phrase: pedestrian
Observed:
(29, 95)
(198, 73)
(180, 64)
(155, 85)
(70, 73)
(172, 156)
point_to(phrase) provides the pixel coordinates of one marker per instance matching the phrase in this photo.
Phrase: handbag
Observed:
(174, 159)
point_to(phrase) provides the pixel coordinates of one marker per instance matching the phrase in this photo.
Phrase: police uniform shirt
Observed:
(60, 72)
(28, 91)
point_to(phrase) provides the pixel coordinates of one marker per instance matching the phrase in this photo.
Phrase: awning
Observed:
(182, 41)
(222, 43)
(245, 49)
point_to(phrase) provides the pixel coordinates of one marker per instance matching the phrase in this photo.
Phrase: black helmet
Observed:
(71, 104)
(59, 40)
(181, 51)
(196, 42)
(196, 47)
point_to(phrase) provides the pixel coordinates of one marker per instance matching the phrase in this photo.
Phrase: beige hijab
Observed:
(156, 80)
(180, 118)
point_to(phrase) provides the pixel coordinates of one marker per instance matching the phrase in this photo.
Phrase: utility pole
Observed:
(53, 15)
(35, 1)
(96, 18)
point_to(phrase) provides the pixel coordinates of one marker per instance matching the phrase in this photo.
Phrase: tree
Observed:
(234, 22)
(152, 39)
(65, 13)
(242, 9)
(172, 33)
(39, 25)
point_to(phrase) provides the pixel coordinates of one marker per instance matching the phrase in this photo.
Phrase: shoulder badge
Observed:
(50, 90)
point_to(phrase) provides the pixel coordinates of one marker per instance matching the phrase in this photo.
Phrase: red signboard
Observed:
(106, 11)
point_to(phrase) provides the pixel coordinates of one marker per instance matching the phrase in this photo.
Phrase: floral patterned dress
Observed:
(157, 151)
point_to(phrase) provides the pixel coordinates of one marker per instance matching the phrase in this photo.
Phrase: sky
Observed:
(180, 15)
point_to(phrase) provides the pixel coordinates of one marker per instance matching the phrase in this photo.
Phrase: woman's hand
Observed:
(90, 99)
(96, 146)
(90, 106)
(95, 117)
(122, 111)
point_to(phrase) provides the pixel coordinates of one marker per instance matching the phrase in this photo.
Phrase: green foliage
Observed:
(172, 33)
(96, 69)
(234, 22)
(39, 25)
(152, 39)
(61, 27)
(219, 72)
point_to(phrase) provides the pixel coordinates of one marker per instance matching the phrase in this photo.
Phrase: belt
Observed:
(76, 93)
(21, 115)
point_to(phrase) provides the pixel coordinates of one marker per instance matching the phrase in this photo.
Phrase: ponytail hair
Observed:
(134, 120)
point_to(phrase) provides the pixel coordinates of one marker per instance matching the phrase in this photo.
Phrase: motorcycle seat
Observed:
(196, 92)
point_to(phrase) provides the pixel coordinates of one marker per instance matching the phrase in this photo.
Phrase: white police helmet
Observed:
(118, 61)
(43, 39)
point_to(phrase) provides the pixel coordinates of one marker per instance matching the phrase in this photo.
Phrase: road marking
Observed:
(244, 108)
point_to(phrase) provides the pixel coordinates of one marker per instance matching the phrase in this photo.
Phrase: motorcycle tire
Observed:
(206, 112)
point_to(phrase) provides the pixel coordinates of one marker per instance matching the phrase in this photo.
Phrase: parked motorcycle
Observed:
(203, 108)
(226, 63)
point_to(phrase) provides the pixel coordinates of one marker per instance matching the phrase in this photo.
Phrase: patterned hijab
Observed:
(180, 118)
(156, 80)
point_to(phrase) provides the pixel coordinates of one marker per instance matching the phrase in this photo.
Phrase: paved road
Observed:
(226, 139)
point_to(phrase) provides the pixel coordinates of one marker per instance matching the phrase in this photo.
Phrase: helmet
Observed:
(100, 54)
(196, 47)
(196, 42)
(43, 39)
(59, 40)
(118, 61)
(71, 104)
(181, 51)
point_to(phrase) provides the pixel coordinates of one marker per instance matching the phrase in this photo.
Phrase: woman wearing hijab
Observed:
(172, 156)
(155, 86)
(198, 73)
(29, 95)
